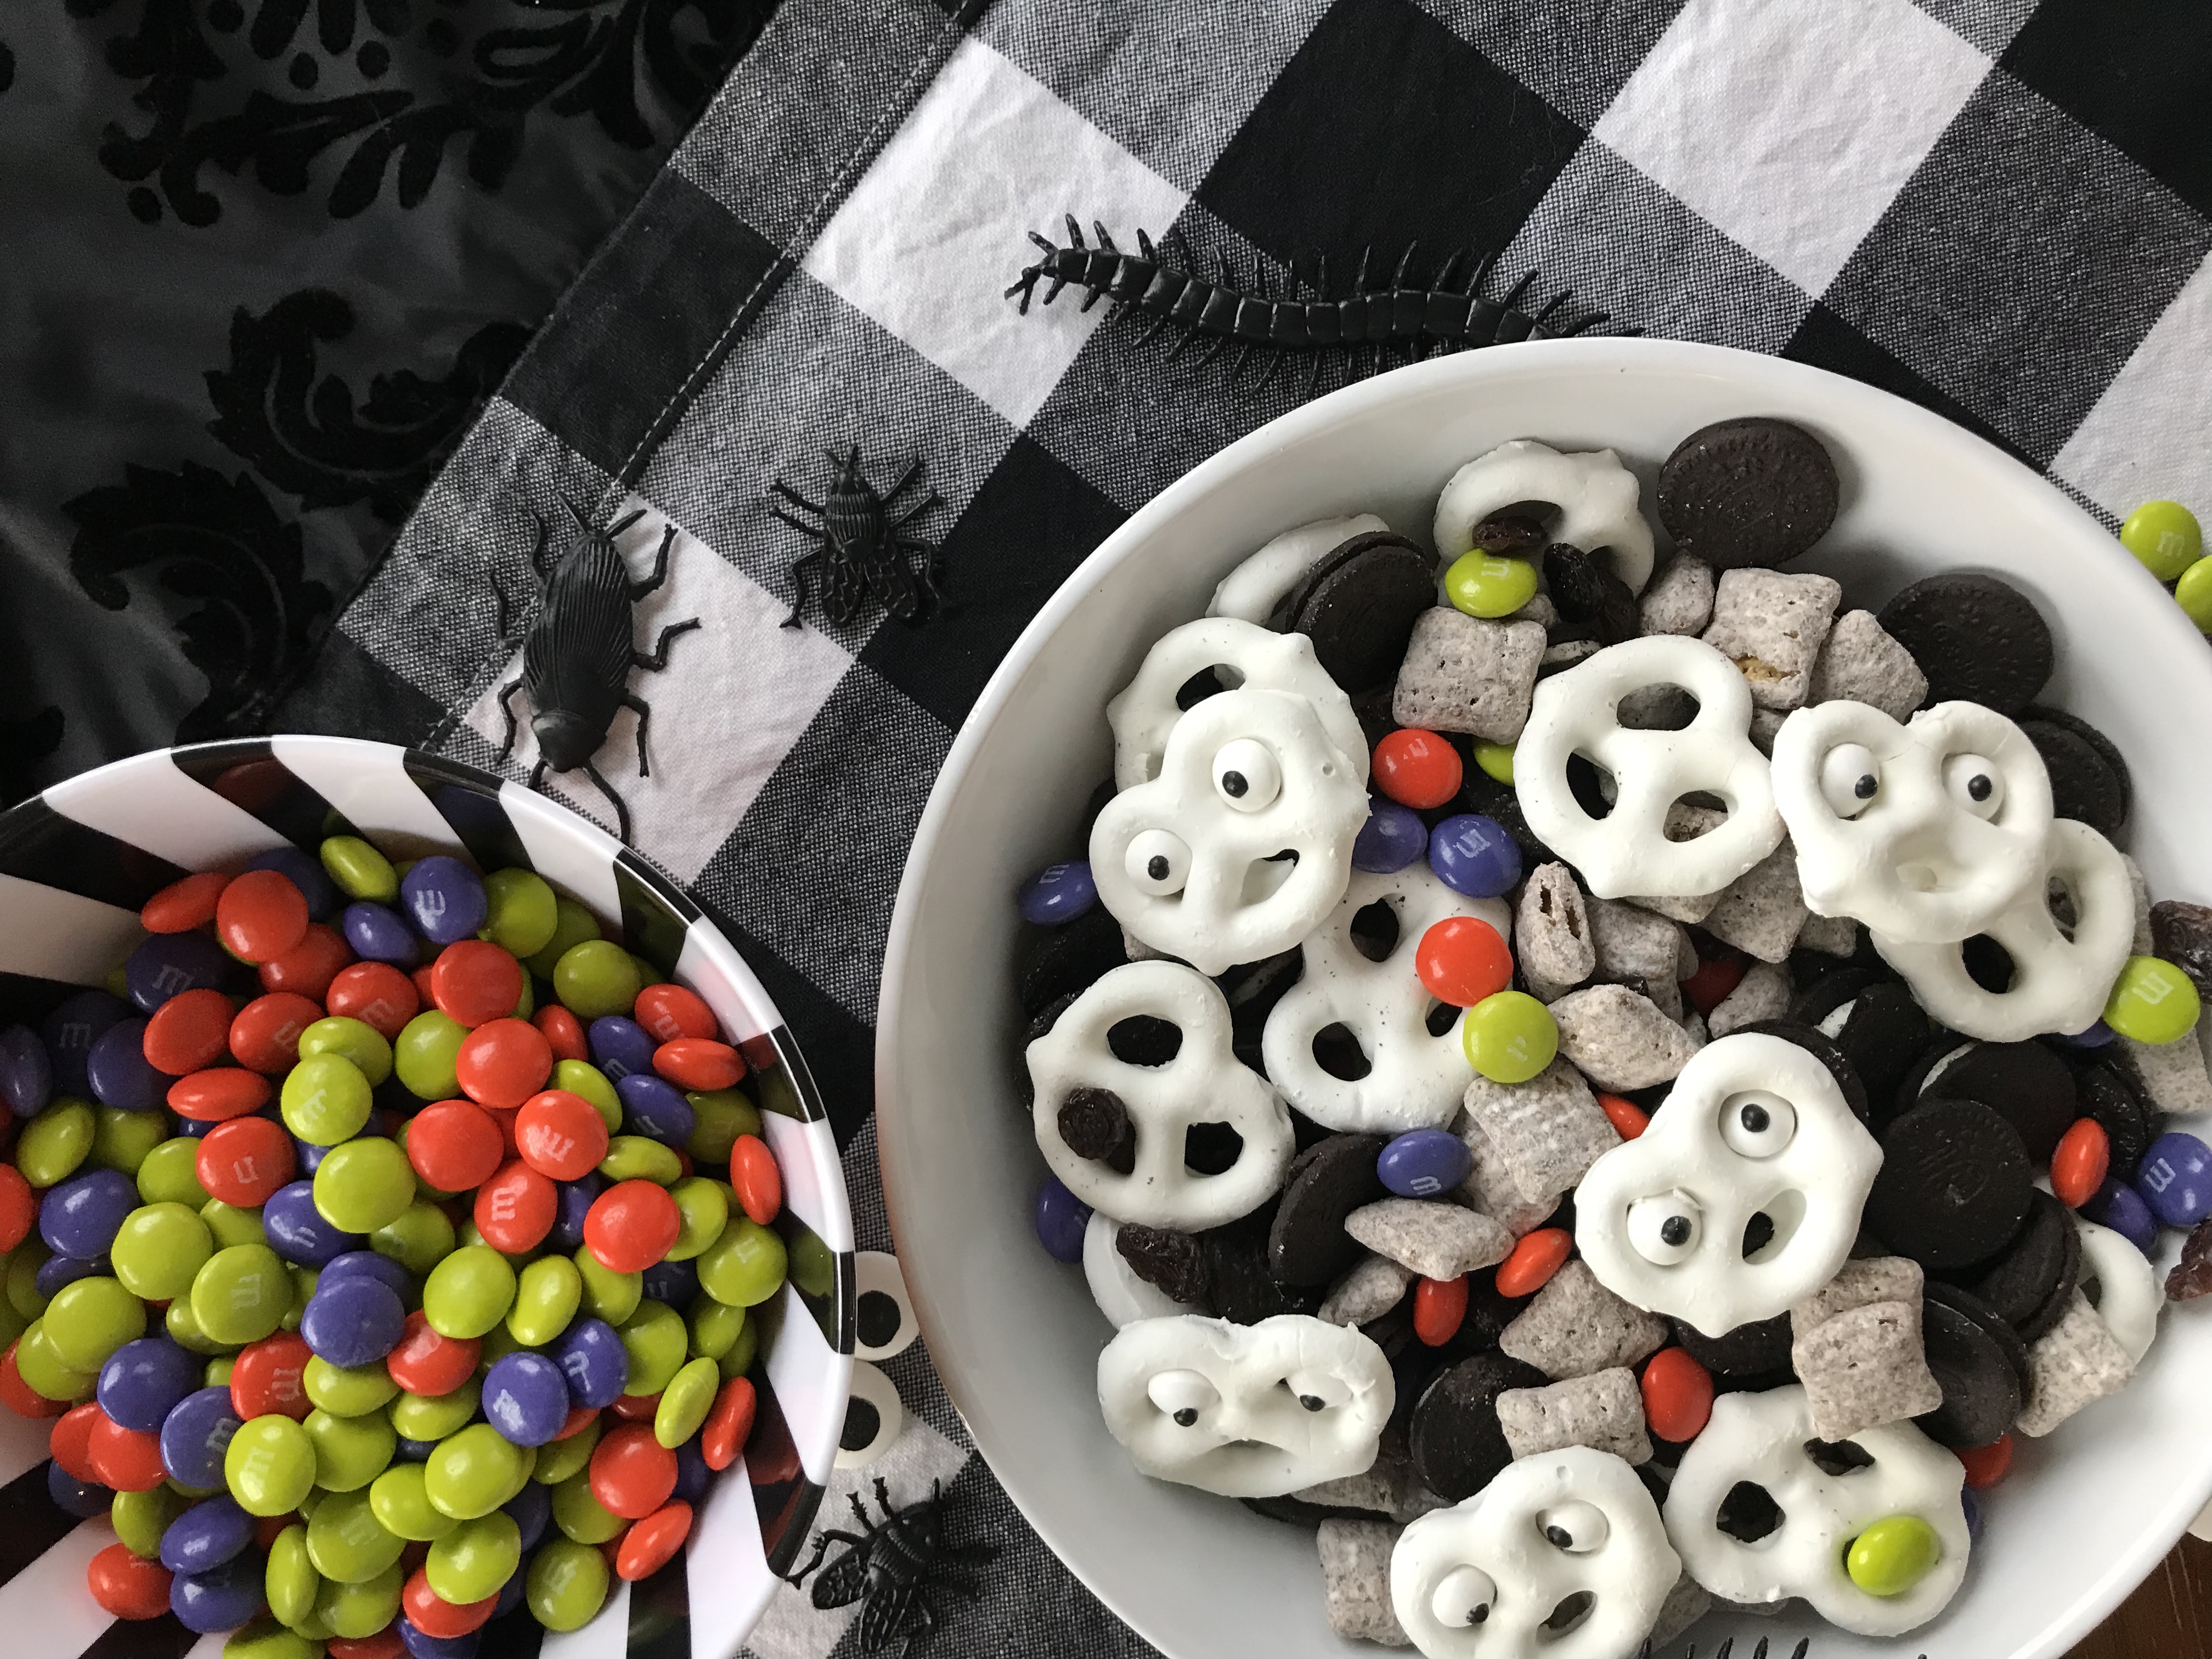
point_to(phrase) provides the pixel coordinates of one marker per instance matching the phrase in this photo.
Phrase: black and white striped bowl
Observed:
(76, 862)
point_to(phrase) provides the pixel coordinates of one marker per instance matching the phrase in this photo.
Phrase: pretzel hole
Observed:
(1748, 1513)
(1836, 1458)
(1144, 1039)
(1592, 786)
(1571, 1613)
(1337, 1052)
(1657, 709)
(1211, 1149)
(1988, 963)
(1375, 929)
(2064, 905)
(1264, 877)
(1441, 1018)
(1768, 1233)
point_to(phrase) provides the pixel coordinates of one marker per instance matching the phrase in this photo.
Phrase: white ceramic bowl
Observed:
(2085, 1514)
(74, 864)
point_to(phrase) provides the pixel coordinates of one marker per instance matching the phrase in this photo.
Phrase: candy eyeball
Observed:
(1158, 862)
(1757, 1123)
(1463, 1596)
(1246, 775)
(1182, 1396)
(1975, 784)
(1663, 1229)
(1850, 779)
(1577, 1527)
(1316, 1390)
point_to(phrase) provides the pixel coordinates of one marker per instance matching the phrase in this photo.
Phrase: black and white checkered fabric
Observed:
(1998, 208)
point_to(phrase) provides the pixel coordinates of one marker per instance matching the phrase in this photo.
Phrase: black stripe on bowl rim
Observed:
(39, 844)
(246, 772)
(470, 801)
(31, 1523)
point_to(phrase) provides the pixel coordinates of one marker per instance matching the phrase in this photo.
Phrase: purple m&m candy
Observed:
(1061, 1219)
(378, 934)
(434, 1647)
(1474, 855)
(532, 1511)
(572, 1203)
(1392, 838)
(358, 1263)
(305, 873)
(1972, 1505)
(119, 1072)
(525, 1398)
(353, 1323)
(79, 1216)
(144, 1381)
(620, 1047)
(443, 899)
(83, 1499)
(1422, 1163)
(26, 1075)
(2176, 1179)
(2121, 1208)
(593, 1363)
(2095, 1034)
(57, 1271)
(1058, 893)
(673, 1282)
(413, 1451)
(195, 1435)
(655, 1107)
(163, 966)
(693, 1477)
(297, 1231)
(222, 1598)
(71, 1030)
(210, 1533)
(511, 1593)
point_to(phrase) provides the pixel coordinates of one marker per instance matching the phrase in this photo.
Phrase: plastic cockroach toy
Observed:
(578, 655)
(1175, 294)
(860, 545)
(889, 1565)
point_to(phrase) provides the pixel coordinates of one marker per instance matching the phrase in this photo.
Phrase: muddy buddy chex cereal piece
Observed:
(1368, 1292)
(1205, 1083)
(1832, 936)
(1603, 1411)
(1250, 592)
(1547, 1131)
(1576, 715)
(1763, 992)
(1463, 674)
(1355, 1570)
(1190, 861)
(1771, 627)
(1436, 1241)
(1620, 1039)
(1551, 925)
(2172, 1073)
(1863, 1367)
(1860, 662)
(1680, 599)
(1491, 1188)
(1203, 1402)
(1857, 1284)
(1594, 494)
(1260, 660)
(1383, 1489)
(1686, 1603)
(2076, 1363)
(2143, 944)
(1565, 655)
(1763, 910)
(1485, 1576)
(1576, 1326)
(1636, 948)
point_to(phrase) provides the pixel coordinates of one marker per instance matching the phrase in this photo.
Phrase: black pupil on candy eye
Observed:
(1312, 1402)
(1187, 1416)
(1233, 785)
(1478, 1614)
(1560, 1536)
(1755, 1118)
(1866, 785)
(1979, 786)
(1157, 869)
(1674, 1230)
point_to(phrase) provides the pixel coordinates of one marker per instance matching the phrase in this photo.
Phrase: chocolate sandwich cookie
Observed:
(1954, 1185)
(1239, 1286)
(1307, 1244)
(1296, 1512)
(1588, 595)
(2118, 1104)
(2032, 1284)
(1825, 1050)
(1977, 639)
(1748, 492)
(1064, 961)
(1357, 603)
(2181, 933)
(1980, 1363)
(1761, 1349)
(2107, 751)
(1813, 1002)
(1883, 1032)
(2082, 786)
(1924, 1062)
(2025, 1083)
(1457, 1445)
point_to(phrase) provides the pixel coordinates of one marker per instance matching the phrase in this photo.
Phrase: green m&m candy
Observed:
(597, 978)
(1892, 1555)
(270, 1465)
(159, 1249)
(2153, 1001)
(1508, 1037)
(567, 1584)
(2165, 536)
(1489, 584)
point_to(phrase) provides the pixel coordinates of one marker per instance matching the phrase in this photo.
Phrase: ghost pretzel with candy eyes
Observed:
(1754, 1126)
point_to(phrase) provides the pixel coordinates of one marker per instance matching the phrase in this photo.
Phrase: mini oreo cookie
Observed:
(1357, 603)
(1954, 1185)
(1457, 1446)
(1296, 1512)
(2128, 1118)
(1885, 1029)
(1510, 535)
(1980, 1363)
(2082, 787)
(1924, 1062)
(1058, 962)
(1813, 1002)
(2031, 1284)
(1587, 593)
(1307, 1244)
(1976, 638)
(1825, 1050)
(1748, 492)
(2024, 1083)
(1759, 1349)
(2107, 751)
(1239, 1286)
(2181, 933)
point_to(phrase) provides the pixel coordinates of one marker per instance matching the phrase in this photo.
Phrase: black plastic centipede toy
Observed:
(1174, 293)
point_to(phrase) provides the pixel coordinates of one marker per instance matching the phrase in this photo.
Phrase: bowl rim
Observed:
(1750, 373)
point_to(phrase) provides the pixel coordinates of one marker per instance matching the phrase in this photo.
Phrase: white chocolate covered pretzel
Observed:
(1246, 1411)
(1762, 1439)
(1485, 1578)
(1928, 831)
(1250, 593)
(1754, 1126)
(1594, 493)
(1415, 1079)
(1627, 852)
(1189, 863)
(1203, 1084)
(2129, 1295)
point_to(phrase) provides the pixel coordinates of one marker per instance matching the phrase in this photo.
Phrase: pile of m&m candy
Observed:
(403, 1290)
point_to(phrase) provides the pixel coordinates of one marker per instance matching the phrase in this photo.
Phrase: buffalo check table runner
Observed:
(1999, 209)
